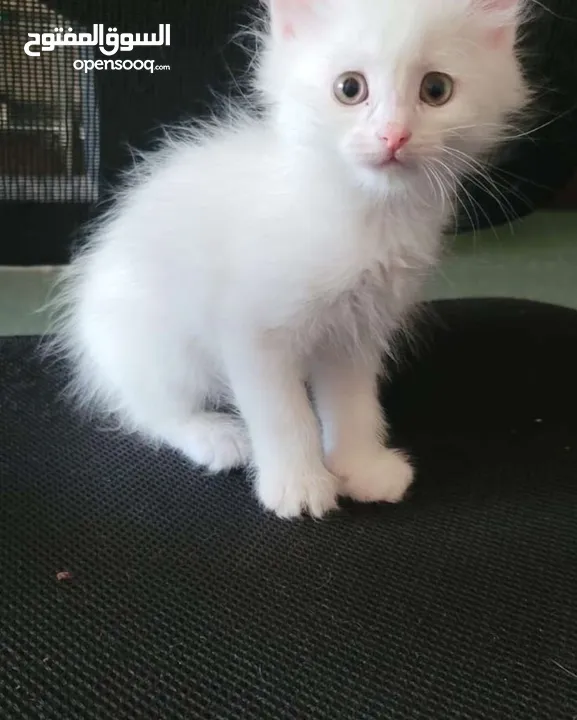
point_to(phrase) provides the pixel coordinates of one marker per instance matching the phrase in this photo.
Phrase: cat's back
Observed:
(180, 201)
(172, 234)
(195, 172)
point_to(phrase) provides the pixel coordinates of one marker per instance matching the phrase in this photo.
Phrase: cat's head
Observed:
(394, 85)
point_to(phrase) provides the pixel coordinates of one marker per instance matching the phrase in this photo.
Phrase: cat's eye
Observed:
(437, 89)
(351, 88)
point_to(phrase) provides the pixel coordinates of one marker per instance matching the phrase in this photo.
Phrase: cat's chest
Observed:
(366, 312)
(384, 242)
(383, 262)
(358, 288)
(377, 285)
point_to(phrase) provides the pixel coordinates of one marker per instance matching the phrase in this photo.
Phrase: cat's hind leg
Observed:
(185, 417)
(215, 440)
(184, 420)
(159, 385)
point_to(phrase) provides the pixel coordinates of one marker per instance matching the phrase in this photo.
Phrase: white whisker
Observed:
(478, 176)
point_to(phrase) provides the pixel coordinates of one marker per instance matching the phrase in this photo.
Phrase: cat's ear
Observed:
(503, 17)
(499, 4)
(500, 10)
(289, 17)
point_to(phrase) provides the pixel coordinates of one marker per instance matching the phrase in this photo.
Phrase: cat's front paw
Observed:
(290, 494)
(376, 475)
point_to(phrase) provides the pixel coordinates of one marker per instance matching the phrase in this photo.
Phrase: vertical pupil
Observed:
(351, 87)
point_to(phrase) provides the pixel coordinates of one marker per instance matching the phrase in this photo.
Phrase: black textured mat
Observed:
(187, 602)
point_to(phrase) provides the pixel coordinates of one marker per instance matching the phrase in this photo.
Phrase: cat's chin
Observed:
(387, 178)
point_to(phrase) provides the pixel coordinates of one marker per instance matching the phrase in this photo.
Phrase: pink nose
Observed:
(396, 137)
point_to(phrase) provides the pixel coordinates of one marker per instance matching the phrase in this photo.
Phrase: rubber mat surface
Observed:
(184, 600)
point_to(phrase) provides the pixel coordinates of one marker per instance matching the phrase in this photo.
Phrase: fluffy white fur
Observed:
(269, 250)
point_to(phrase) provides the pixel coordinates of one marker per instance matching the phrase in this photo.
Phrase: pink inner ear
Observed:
(498, 36)
(288, 14)
(498, 4)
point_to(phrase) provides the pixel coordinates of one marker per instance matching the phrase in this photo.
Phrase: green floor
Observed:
(535, 258)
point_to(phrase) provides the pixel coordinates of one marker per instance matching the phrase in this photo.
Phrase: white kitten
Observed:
(243, 260)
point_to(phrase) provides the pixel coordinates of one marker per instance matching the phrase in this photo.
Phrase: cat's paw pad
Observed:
(219, 443)
(380, 475)
(291, 495)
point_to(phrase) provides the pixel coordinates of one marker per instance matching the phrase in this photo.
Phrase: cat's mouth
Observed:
(381, 163)
(386, 162)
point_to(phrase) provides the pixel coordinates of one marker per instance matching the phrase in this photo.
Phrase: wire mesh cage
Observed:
(49, 139)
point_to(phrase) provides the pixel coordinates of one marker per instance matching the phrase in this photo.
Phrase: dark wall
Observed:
(134, 104)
